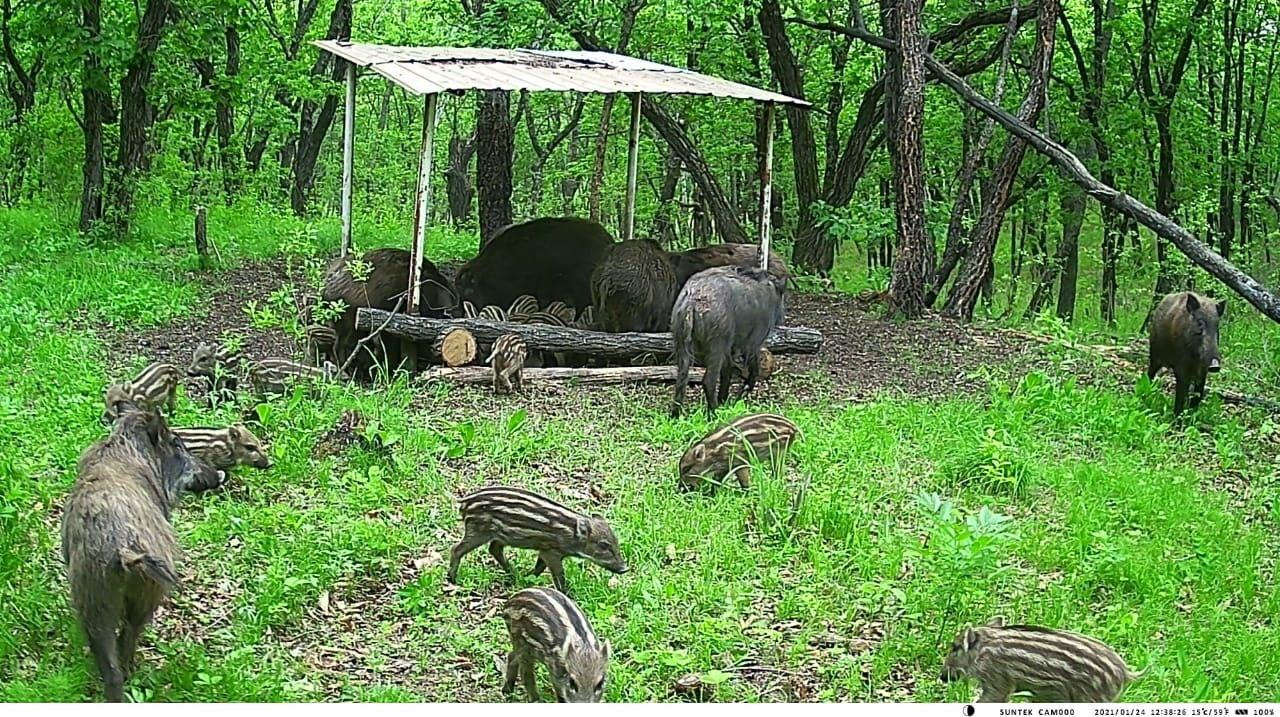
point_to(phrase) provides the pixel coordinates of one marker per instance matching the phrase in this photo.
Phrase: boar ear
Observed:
(1192, 303)
(605, 649)
(970, 640)
(699, 452)
(997, 621)
(1222, 307)
(236, 433)
(582, 528)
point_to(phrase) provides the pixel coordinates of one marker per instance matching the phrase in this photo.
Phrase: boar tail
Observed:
(149, 566)
(682, 332)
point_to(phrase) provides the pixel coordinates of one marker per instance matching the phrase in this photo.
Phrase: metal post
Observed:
(633, 149)
(766, 187)
(421, 212)
(348, 156)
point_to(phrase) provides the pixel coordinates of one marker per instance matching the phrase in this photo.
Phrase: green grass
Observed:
(894, 523)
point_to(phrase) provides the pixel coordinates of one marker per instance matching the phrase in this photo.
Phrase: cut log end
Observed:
(456, 347)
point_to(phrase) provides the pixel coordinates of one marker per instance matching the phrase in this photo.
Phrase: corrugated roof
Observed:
(426, 70)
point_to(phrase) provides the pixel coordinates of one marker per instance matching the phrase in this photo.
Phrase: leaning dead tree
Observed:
(1186, 242)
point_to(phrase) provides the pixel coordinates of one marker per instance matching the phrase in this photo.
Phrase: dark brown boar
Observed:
(550, 259)
(1184, 337)
(633, 287)
(729, 450)
(690, 262)
(721, 320)
(1053, 665)
(382, 288)
(120, 550)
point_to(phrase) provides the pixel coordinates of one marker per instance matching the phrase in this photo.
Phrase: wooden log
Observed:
(455, 347)
(783, 340)
(593, 376)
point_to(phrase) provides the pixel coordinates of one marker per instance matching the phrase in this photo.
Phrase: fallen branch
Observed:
(468, 375)
(1195, 250)
(342, 370)
(543, 337)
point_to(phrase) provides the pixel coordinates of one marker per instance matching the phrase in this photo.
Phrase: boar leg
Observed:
(743, 474)
(137, 615)
(514, 660)
(726, 382)
(538, 567)
(1180, 392)
(529, 675)
(495, 549)
(102, 643)
(682, 383)
(469, 542)
(1197, 390)
(753, 373)
(552, 561)
(709, 380)
(989, 695)
(1153, 366)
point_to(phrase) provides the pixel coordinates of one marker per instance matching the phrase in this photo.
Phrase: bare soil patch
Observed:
(863, 354)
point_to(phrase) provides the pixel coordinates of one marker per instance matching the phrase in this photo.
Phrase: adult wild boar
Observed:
(385, 284)
(690, 262)
(722, 317)
(120, 551)
(550, 259)
(1184, 337)
(634, 287)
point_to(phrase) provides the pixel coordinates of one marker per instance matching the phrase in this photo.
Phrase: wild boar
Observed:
(550, 259)
(720, 315)
(546, 626)
(156, 385)
(120, 550)
(502, 516)
(633, 287)
(730, 449)
(1184, 337)
(1053, 665)
(507, 361)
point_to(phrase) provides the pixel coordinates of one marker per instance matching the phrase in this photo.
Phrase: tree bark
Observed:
(457, 180)
(228, 154)
(790, 79)
(98, 110)
(977, 265)
(956, 245)
(904, 126)
(315, 119)
(495, 149)
(136, 114)
(594, 187)
(478, 375)
(22, 88)
(1160, 89)
(544, 337)
(1068, 256)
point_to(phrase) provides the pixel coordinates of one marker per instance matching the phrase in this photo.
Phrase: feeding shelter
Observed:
(429, 71)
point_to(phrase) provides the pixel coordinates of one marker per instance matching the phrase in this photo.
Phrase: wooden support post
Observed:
(766, 187)
(421, 212)
(633, 150)
(348, 155)
(202, 238)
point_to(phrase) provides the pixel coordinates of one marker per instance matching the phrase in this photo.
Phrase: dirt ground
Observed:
(863, 354)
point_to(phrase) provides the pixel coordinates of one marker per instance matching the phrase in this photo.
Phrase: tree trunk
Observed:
(956, 245)
(136, 114)
(22, 88)
(494, 153)
(228, 154)
(1068, 257)
(457, 180)
(904, 127)
(314, 120)
(594, 187)
(664, 227)
(97, 112)
(977, 265)
(790, 79)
